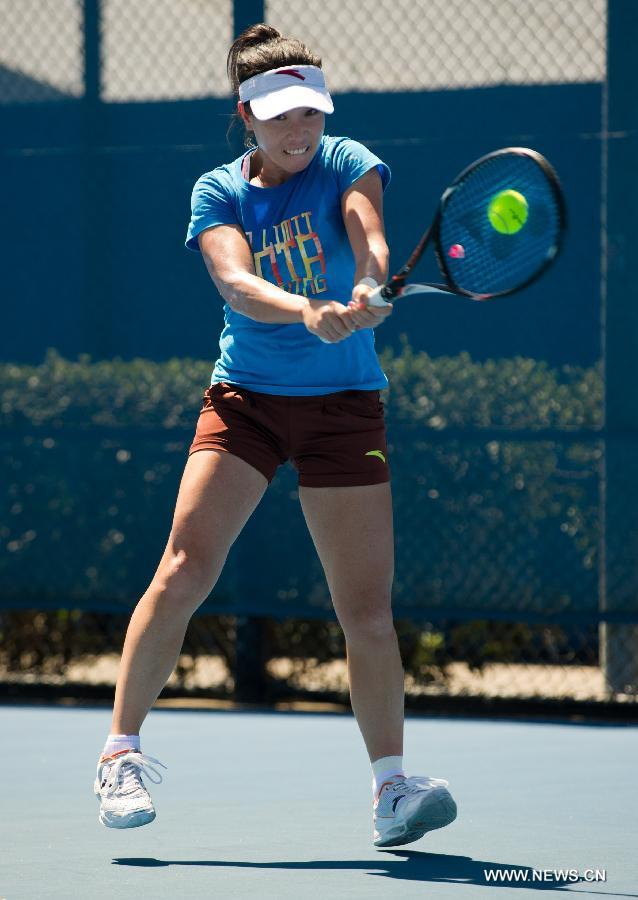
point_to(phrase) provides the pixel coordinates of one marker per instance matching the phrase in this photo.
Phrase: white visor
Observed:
(279, 90)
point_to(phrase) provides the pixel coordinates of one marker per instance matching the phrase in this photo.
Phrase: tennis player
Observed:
(292, 235)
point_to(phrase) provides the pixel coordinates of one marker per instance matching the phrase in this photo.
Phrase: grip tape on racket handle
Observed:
(376, 299)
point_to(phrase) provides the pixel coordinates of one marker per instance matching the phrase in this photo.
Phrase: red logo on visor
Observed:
(293, 72)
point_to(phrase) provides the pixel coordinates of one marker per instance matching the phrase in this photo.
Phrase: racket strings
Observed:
(492, 262)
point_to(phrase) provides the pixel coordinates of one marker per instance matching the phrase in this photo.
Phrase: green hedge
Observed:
(454, 391)
(516, 393)
(488, 521)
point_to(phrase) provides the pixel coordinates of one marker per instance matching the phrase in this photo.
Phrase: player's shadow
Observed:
(404, 865)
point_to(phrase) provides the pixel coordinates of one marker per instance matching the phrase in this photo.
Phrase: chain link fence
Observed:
(176, 49)
(41, 51)
(497, 465)
(76, 652)
(497, 537)
(445, 44)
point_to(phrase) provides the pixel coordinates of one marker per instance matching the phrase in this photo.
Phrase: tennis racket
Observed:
(498, 227)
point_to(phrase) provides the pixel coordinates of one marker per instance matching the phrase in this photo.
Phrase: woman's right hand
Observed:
(329, 320)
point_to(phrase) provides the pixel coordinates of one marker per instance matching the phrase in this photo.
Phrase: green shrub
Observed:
(438, 393)
(485, 522)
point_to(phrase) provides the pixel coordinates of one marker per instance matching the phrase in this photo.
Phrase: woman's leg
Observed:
(353, 533)
(217, 495)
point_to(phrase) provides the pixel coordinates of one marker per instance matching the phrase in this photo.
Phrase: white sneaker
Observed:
(124, 801)
(406, 808)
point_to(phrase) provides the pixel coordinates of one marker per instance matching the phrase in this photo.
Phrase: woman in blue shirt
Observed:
(292, 235)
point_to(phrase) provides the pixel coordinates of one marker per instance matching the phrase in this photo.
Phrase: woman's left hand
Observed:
(362, 315)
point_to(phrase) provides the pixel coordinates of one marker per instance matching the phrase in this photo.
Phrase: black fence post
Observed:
(250, 630)
(249, 674)
(245, 13)
(619, 489)
(96, 330)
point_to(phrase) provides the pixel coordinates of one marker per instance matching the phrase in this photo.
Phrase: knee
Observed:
(186, 576)
(367, 618)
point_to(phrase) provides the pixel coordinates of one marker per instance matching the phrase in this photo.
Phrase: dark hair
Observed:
(258, 49)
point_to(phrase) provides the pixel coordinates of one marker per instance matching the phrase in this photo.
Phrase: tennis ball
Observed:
(507, 212)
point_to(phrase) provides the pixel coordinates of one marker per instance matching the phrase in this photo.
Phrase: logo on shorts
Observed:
(376, 453)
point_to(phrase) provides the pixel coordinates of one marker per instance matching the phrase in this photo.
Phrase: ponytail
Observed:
(258, 49)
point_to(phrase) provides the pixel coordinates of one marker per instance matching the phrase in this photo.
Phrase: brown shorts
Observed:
(333, 440)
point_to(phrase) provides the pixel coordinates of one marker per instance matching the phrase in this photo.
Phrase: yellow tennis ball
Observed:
(507, 212)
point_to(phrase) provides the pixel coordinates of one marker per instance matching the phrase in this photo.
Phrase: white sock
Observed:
(385, 768)
(117, 742)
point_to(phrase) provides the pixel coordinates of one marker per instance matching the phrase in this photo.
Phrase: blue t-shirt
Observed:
(299, 242)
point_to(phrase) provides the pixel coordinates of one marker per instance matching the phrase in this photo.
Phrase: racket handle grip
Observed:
(375, 298)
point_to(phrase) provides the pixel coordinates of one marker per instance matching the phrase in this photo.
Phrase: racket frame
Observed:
(395, 286)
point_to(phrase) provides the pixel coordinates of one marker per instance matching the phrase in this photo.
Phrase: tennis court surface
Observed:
(277, 805)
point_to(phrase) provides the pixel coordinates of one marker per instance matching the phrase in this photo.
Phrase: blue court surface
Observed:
(279, 805)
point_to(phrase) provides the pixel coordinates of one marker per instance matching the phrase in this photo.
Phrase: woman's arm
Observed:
(229, 261)
(362, 209)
